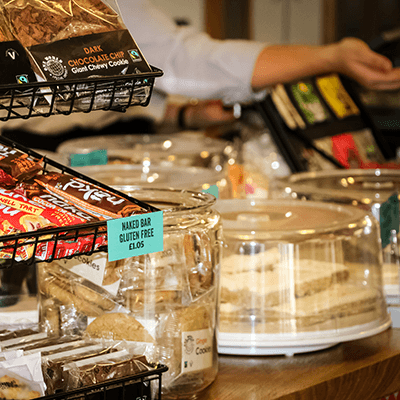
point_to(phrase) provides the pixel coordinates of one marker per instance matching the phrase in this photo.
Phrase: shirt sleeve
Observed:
(194, 64)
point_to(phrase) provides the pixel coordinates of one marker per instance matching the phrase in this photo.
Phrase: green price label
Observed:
(97, 157)
(389, 218)
(213, 189)
(135, 235)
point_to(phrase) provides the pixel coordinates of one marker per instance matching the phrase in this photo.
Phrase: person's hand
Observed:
(206, 113)
(354, 58)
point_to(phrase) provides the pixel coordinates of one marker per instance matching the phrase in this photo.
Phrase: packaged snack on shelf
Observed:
(96, 269)
(87, 197)
(53, 363)
(27, 367)
(101, 368)
(80, 39)
(66, 212)
(14, 386)
(22, 339)
(17, 166)
(75, 298)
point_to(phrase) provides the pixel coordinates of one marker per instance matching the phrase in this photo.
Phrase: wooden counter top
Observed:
(366, 369)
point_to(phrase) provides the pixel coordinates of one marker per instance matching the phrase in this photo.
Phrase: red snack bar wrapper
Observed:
(15, 221)
(88, 197)
(16, 166)
(20, 214)
(52, 213)
(66, 248)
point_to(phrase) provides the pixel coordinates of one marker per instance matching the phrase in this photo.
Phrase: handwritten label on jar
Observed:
(197, 350)
(135, 235)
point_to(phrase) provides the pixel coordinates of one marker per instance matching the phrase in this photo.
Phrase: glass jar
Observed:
(190, 148)
(298, 276)
(172, 295)
(155, 175)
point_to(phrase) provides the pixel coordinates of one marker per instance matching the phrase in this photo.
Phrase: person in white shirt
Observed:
(229, 71)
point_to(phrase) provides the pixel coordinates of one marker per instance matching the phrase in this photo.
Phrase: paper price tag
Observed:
(97, 157)
(389, 218)
(213, 189)
(135, 235)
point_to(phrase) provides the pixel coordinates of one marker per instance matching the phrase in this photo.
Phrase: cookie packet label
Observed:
(100, 54)
(197, 350)
(134, 236)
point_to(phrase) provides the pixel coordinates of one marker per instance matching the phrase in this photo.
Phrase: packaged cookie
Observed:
(79, 40)
(74, 298)
(14, 386)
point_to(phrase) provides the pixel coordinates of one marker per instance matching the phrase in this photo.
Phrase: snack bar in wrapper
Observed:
(16, 166)
(102, 368)
(89, 197)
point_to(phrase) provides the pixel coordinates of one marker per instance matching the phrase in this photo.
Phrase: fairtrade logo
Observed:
(22, 78)
(135, 55)
(189, 344)
(54, 66)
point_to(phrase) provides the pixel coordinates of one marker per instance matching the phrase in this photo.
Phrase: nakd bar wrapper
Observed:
(89, 197)
(16, 166)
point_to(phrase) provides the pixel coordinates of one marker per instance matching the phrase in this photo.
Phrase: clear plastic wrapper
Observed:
(53, 363)
(13, 386)
(101, 368)
(298, 276)
(67, 300)
(29, 370)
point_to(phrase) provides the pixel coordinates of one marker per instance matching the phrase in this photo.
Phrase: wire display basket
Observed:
(115, 93)
(81, 239)
(142, 386)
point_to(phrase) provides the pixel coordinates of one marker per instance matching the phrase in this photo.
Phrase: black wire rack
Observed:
(143, 386)
(116, 93)
(31, 244)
